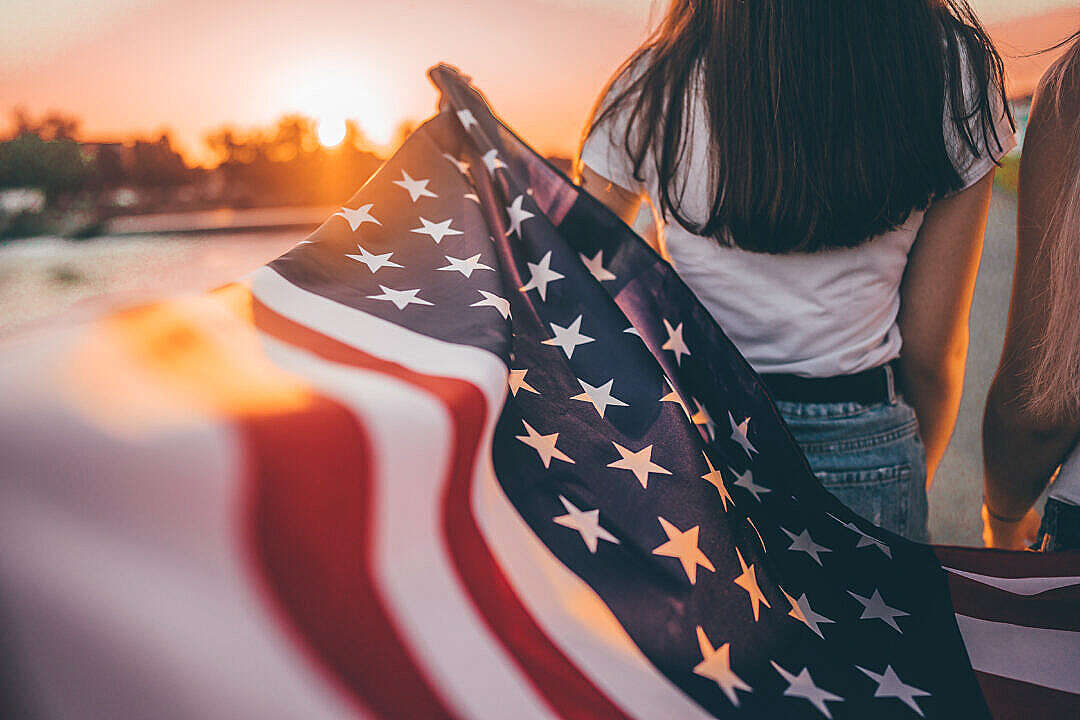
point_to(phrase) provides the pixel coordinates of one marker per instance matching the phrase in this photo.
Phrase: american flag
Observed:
(471, 449)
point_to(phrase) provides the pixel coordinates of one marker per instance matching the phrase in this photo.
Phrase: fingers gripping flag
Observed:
(472, 449)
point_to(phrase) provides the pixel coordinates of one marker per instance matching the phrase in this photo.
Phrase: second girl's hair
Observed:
(825, 117)
(1054, 376)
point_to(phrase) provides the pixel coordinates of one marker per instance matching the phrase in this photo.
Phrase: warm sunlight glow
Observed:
(331, 94)
(331, 131)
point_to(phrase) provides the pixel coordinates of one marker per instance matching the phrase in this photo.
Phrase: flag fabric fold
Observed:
(471, 449)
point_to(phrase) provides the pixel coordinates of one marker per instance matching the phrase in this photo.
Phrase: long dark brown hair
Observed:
(825, 117)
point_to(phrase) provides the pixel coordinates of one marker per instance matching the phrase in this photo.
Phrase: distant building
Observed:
(113, 161)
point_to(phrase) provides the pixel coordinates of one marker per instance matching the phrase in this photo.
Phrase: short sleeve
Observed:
(971, 166)
(604, 150)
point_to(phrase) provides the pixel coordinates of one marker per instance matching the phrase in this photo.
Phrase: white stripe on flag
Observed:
(410, 431)
(1019, 586)
(381, 338)
(1034, 655)
(117, 604)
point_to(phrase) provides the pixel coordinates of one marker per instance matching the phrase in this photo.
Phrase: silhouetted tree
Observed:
(53, 126)
(54, 166)
(21, 122)
(157, 165)
(354, 136)
(285, 164)
(224, 144)
(294, 135)
(58, 126)
(109, 170)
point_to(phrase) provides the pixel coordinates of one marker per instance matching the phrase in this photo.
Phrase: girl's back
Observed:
(796, 152)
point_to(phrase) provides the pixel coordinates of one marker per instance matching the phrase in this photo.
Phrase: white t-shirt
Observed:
(816, 315)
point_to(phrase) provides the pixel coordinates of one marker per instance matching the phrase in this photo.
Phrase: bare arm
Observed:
(1021, 451)
(624, 203)
(935, 301)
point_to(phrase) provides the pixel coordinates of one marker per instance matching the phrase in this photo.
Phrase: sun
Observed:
(331, 131)
(334, 93)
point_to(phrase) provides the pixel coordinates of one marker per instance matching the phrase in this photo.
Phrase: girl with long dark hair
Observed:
(820, 171)
(1032, 418)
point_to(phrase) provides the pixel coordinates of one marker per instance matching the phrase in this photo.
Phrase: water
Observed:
(45, 280)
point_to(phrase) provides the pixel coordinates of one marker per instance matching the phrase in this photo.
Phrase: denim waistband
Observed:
(832, 409)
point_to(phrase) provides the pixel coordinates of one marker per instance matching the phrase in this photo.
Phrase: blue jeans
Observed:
(869, 456)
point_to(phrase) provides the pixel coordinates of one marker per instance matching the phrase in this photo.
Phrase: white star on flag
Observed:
(416, 188)
(801, 611)
(746, 482)
(802, 685)
(740, 433)
(517, 215)
(684, 547)
(516, 381)
(596, 266)
(716, 665)
(568, 337)
(748, 582)
(890, 685)
(864, 539)
(466, 118)
(466, 266)
(400, 298)
(804, 543)
(461, 165)
(715, 478)
(868, 540)
(675, 341)
(540, 275)
(494, 301)
(438, 230)
(702, 417)
(357, 217)
(874, 608)
(632, 331)
(640, 463)
(492, 161)
(373, 262)
(587, 523)
(600, 396)
(672, 395)
(544, 445)
(472, 196)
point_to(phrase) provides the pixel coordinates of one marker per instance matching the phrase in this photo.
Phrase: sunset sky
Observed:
(139, 66)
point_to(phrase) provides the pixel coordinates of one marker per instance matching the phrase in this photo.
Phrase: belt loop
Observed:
(890, 382)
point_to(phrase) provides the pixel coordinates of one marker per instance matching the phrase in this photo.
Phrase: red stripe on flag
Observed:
(569, 692)
(1053, 609)
(557, 679)
(1009, 563)
(308, 525)
(1017, 700)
